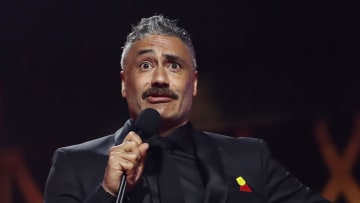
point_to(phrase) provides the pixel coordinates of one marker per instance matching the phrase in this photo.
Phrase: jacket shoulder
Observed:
(237, 143)
(98, 145)
(86, 151)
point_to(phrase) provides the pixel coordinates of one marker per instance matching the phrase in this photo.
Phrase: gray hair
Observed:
(159, 25)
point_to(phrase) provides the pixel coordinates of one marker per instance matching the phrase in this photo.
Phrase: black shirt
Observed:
(192, 186)
(184, 155)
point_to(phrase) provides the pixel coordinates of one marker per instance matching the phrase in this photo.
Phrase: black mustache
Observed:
(160, 92)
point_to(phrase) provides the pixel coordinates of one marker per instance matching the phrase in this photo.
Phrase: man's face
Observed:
(159, 74)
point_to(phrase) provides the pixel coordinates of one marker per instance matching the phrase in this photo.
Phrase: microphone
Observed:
(146, 125)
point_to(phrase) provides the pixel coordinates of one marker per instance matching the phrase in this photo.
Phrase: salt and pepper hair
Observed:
(157, 25)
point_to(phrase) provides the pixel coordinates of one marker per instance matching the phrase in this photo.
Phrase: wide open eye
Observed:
(146, 65)
(174, 67)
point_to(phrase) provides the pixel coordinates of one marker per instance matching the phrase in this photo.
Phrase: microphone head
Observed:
(147, 123)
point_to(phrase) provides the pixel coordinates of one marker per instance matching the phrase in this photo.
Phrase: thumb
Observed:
(143, 148)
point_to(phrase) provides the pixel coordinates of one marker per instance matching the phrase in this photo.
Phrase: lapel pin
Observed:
(243, 186)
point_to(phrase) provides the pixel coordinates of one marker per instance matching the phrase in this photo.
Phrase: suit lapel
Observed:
(208, 155)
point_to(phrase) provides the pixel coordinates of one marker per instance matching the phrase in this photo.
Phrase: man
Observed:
(159, 72)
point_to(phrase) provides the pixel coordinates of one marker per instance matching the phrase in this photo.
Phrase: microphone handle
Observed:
(122, 187)
(121, 192)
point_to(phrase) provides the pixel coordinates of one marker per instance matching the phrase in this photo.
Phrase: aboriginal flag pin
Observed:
(243, 186)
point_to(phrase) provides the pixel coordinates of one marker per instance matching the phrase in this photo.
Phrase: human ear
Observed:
(123, 86)
(195, 83)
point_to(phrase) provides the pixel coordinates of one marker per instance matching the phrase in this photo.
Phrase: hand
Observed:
(128, 158)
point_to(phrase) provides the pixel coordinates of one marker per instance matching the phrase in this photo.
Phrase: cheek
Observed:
(135, 89)
(188, 92)
(131, 90)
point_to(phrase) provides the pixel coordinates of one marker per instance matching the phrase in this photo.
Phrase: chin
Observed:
(163, 110)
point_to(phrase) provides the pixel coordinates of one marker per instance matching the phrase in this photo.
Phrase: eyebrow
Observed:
(169, 57)
(145, 51)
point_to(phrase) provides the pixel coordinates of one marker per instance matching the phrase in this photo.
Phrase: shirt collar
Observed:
(182, 137)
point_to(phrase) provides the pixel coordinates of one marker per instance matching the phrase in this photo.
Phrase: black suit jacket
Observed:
(77, 171)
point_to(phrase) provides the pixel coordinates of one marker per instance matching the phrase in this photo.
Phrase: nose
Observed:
(160, 77)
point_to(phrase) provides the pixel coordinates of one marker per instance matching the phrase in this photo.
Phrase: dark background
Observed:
(268, 69)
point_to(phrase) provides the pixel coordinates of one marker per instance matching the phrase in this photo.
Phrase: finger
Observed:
(128, 146)
(118, 165)
(135, 155)
(123, 159)
(140, 168)
(131, 156)
(132, 136)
